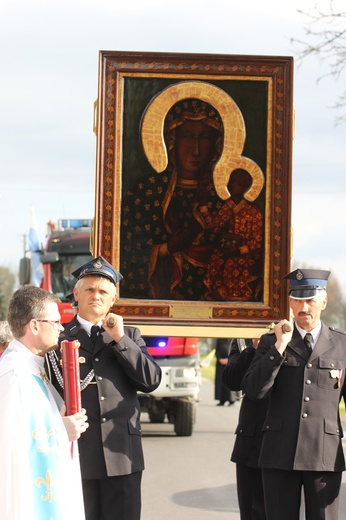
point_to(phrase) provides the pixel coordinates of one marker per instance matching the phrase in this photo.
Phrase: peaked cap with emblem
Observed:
(98, 267)
(306, 283)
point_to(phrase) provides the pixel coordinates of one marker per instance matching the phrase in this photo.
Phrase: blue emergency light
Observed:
(75, 223)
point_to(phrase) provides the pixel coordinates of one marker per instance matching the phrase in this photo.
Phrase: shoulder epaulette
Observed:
(337, 330)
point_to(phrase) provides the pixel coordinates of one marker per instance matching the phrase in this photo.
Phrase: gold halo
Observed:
(234, 132)
(221, 180)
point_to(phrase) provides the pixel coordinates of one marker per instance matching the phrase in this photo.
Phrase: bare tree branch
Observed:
(326, 37)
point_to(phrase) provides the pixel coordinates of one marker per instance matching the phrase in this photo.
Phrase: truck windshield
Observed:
(61, 274)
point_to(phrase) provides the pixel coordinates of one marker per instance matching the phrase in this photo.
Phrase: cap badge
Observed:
(299, 275)
(98, 264)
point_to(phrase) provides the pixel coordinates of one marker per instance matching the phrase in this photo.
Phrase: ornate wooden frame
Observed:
(247, 76)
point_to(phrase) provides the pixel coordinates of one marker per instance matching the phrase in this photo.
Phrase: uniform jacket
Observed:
(112, 444)
(252, 413)
(302, 430)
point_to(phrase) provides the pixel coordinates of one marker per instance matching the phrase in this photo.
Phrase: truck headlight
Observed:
(189, 373)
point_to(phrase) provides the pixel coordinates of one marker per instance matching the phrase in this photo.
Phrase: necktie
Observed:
(94, 333)
(308, 342)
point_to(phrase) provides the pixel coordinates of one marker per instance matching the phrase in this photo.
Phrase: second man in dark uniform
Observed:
(303, 373)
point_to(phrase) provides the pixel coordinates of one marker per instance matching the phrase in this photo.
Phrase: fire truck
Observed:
(67, 248)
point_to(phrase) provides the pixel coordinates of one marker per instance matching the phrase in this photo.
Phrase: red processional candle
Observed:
(70, 373)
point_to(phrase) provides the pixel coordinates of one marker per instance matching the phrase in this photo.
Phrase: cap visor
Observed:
(303, 294)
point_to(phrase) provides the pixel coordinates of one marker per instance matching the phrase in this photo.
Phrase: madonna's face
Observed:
(195, 148)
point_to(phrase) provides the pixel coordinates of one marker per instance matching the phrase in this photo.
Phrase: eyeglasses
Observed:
(55, 324)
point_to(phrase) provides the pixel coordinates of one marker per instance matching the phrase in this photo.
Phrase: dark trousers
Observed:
(113, 498)
(282, 494)
(250, 493)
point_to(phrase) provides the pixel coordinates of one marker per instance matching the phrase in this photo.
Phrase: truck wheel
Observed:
(157, 416)
(184, 418)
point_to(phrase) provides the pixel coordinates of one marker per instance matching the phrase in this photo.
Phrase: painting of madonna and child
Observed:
(193, 217)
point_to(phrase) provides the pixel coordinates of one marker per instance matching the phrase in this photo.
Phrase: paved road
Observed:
(192, 478)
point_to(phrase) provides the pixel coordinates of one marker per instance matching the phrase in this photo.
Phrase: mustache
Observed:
(301, 313)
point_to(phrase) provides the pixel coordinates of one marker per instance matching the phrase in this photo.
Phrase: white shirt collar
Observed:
(314, 332)
(86, 325)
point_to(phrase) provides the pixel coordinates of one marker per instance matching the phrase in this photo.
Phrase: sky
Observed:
(49, 55)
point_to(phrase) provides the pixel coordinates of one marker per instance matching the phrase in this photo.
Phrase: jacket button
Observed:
(103, 419)
(332, 364)
(308, 382)
(102, 398)
(306, 399)
(304, 415)
(309, 365)
(271, 358)
(99, 378)
(97, 359)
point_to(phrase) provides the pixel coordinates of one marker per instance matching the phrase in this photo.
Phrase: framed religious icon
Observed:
(193, 186)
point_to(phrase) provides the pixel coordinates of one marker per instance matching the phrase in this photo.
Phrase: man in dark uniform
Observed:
(114, 365)
(303, 372)
(248, 442)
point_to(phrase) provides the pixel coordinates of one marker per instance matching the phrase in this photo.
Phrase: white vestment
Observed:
(39, 478)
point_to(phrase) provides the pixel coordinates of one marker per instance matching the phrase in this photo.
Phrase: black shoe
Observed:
(220, 404)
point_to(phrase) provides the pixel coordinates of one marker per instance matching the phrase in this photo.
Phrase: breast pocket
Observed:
(291, 361)
(289, 374)
(329, 373)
